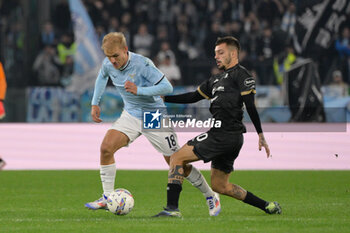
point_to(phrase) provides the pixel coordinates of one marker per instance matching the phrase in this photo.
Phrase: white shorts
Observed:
(164, 142)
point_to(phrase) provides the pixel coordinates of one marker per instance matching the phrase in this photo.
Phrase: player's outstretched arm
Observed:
(186, 98)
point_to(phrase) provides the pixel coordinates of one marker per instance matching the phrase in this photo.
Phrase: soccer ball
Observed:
(120, 202)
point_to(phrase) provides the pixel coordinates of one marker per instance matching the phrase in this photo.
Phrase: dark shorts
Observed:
(222, 148)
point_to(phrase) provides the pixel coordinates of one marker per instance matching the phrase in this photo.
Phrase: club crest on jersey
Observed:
(132, 76)
(152, 119)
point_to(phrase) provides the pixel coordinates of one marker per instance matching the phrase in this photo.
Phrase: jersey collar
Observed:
(232, 68)
(127, 63)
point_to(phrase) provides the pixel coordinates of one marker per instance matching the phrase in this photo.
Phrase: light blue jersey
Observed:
(139, 70)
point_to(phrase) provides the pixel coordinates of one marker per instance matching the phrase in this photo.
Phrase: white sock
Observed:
(107, 173)
(197, 180)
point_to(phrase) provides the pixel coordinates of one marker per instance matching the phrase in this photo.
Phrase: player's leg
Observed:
(113, 141)
(222, 166)
(201, 147)
(220, 183)
(195, 177)
(124, 131)
(175, 179)
(167, 143)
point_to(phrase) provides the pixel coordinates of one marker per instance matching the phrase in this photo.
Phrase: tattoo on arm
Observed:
(238, 192)
(176, 175)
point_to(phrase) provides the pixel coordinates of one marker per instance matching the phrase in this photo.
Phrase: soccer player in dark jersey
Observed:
(227, 92)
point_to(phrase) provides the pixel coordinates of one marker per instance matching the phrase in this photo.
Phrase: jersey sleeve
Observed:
(162, 88)
(151, 72)
(246, 83)
(100, 86)
(205, 89)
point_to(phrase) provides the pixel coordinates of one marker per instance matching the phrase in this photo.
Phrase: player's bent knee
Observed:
(219, 189)
(184, 156)
(176, 159)
(179, 159)
(106, 150)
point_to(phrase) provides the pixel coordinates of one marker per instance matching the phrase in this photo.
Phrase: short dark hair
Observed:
(229, 40)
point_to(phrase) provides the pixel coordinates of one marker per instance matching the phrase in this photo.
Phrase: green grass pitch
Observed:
(53, 201)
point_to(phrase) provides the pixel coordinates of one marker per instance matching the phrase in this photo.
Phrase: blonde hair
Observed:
(113, 40)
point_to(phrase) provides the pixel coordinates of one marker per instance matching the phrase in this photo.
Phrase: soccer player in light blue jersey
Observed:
(140, 85)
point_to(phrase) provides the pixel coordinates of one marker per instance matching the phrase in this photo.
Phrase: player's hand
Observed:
(95, 113)
(263, 143)
(130, 87)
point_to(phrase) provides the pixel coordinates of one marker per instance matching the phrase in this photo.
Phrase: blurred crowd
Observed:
(179, 36)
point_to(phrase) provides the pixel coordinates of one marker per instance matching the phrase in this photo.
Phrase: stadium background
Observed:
(298, 52)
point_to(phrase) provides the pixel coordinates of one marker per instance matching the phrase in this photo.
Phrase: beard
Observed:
(221, 66)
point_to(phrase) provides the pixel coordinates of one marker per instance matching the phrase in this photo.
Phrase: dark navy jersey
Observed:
(225, 93)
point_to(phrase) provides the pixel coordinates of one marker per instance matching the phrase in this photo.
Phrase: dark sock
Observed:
(253, 200)
(173, 195)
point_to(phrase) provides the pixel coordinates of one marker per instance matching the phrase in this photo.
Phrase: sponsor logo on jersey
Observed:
(219, 88)
(249, 82)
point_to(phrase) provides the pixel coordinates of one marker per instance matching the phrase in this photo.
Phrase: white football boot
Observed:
(214, 205)
(98, 204)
